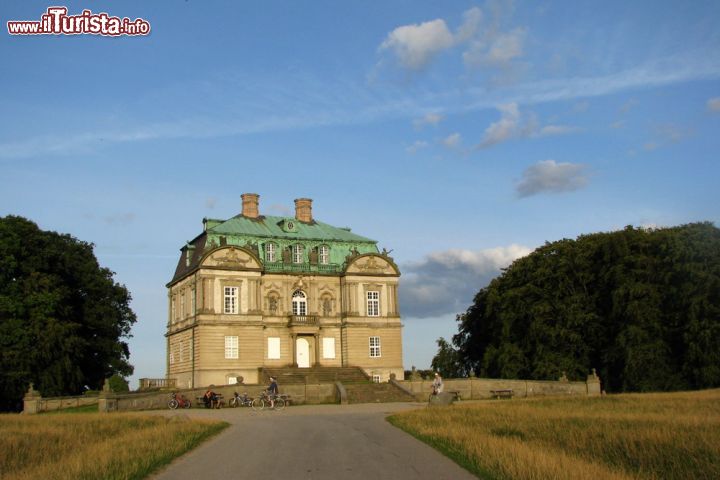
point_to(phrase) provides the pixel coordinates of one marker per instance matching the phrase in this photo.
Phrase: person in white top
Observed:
(437, 384)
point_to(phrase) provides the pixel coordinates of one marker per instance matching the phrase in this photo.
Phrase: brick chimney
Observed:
(250, 203)
(303, 209)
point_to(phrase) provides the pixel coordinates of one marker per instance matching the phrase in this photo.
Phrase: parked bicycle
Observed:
(241, 400)
(178, 401)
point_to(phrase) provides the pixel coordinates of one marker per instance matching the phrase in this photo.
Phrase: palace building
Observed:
(257, 291)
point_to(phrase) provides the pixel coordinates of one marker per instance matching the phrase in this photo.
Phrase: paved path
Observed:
(311, 442)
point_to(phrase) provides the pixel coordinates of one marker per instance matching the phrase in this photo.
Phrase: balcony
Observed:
(152, 383)
(303, 267)
(302, 320)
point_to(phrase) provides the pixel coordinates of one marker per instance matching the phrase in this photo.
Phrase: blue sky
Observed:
(459, 134)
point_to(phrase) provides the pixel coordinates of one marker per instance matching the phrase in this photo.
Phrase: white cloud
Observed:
(497, 51)
(433, 119)
(418, 145)
(513, 124)
(548, 176)
(416, 45)
(713, 104)
(445, 282)
(452, 140)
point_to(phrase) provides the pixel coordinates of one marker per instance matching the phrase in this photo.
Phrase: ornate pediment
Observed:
(371, 265)
(232, 258)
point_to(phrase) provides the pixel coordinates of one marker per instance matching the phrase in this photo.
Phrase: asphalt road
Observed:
(311, 442)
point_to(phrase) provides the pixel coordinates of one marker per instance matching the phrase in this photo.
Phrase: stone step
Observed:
(315, 375)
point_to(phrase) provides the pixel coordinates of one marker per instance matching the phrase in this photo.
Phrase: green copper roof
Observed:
(272, 227)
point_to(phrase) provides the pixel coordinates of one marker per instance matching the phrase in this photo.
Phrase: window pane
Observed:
(231, 300)
(328, 347)
(324, 254)
(231, 347)
(298, 251)
(274, 348)
(270, 252)
(373, 304)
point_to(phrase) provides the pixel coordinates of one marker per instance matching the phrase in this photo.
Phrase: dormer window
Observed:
(324, 254)
(298, 253)
(270, 252)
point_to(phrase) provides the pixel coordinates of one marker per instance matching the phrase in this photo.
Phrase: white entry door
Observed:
(302, 353)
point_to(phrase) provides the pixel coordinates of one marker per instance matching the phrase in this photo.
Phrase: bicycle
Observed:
(178, 401)
(241, 401)
(276, 402)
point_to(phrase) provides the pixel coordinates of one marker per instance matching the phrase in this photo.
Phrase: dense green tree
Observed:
(62, 317)
(447, 361)
(640, 305)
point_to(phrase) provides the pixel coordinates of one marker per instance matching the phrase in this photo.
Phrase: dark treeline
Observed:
(641, 306)
(62, 316)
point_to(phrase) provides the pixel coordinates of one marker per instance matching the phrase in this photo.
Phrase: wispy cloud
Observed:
(548, 176)
(433, 119)
(418, 145)
(513, 124)
(445, 282)
(453, 140)
(264, 105)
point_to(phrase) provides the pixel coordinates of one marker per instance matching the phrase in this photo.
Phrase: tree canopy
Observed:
(62, 316)
(642, 306)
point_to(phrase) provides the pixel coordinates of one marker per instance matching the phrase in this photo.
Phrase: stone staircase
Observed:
(289, 376)
(376, 393)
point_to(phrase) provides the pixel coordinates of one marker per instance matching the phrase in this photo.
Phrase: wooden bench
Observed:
(508, 393)
(220, 401)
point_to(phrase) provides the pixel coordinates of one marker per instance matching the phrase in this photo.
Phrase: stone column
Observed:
(293, 347)
(32, 401)
(107, 400)
(317, 349)
(593, 384)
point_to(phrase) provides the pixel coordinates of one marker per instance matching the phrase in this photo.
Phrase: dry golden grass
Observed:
(649, 436)
(92, 446)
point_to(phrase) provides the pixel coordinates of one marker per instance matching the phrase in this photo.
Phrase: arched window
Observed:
(298, 250)
(270, 252)
(299, 303)
(324, 254)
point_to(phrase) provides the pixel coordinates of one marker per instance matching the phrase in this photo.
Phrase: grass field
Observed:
(94, 446)
(643, 436)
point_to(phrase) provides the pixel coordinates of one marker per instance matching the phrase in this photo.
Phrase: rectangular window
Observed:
(173, 310)
(182, 306)
(192, 302)
(231, 347)
(231, 299)
(231, 380)
(376, 378)
(324, 255)
(298, 251)
(328, 347)
(273, 348)
(270, 252)
(374, 347)
(172, 358)
(373, 304)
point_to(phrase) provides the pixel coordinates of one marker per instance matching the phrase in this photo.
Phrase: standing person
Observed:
(437, 384)
(272, 391)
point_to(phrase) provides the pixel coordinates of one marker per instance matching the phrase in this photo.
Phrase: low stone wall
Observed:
(299, 394)
(479, 388)
(38, 404)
